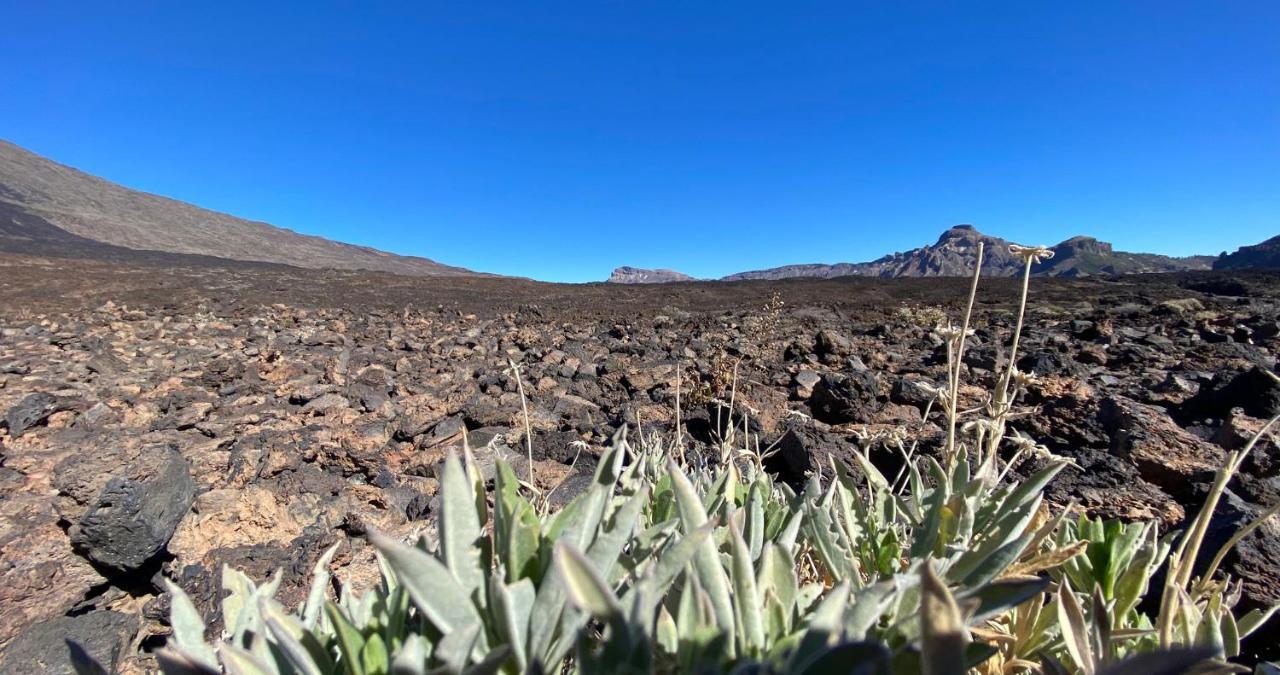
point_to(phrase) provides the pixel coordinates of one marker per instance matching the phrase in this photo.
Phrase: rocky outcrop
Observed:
(30, 411)
(637, 275)
(1265, 255)
(48, 647)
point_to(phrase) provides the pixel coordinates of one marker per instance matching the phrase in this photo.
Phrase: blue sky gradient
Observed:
(559, 140)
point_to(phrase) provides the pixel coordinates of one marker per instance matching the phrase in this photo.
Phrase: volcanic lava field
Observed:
(257, 414)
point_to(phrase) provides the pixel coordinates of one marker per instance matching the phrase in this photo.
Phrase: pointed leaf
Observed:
(706, 560)
(746, 598)
(188, 627)
(1075, 632)
(314, 605)
(585, 587)
(412, 657)
(459, 526)
(943, 636)
(240, 662)
(434, 590)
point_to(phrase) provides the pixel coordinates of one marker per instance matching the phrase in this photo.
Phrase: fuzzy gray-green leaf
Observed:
(188, 627)
(459, 526)
(706, 560)
(586, 589)
(434, 590)
(943, 635)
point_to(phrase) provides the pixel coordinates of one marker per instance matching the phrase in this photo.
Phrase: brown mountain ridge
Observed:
(48, 208)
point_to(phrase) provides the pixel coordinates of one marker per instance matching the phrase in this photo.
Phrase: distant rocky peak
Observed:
(1078, 245)
(967, 233)
(638, 275)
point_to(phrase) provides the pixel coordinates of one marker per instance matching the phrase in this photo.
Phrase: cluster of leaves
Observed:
(658, 569)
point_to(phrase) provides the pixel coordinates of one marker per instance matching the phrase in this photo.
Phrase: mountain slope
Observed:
(1264, 255)
(952, 255)
(1083, 256)
(93, 209)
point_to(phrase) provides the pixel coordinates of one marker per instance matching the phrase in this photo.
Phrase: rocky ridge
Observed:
(1265, 255)
(952, 255)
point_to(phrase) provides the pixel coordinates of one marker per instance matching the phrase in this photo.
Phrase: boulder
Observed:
(31, 411)
(912, 392)
(1163, 452)
(801, 450)
(848, 398)
(646, 376)
(1256, 391)
(103, 637)
(830, 346)
(1109, 487)
(803, 384)
(135, 515)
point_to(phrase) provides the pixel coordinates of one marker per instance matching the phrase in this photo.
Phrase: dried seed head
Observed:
(941, 394)
(979, 426)
(1024, 379)
(1026, 444)
(1033, 253)
(952, 332)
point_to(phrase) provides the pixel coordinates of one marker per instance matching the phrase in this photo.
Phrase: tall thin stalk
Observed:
(953, 376)
(1001, 404)
(679, 431)
(1017, 331)
(524, 407)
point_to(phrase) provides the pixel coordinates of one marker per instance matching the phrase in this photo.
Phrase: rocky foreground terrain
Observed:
(162, 421)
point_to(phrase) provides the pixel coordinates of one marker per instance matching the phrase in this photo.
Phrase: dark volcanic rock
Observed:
(1255, 391)
(1163, 452)
(1254, 561)
(802, 449)
(913, 392)
(30, 411)
(840, 399)
(46, 647)
(134, 518)
(831, 346)
(1110, 487)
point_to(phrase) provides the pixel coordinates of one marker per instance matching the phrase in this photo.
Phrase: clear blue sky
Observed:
(558, 140)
